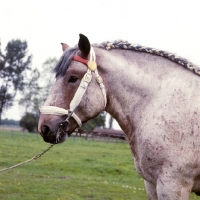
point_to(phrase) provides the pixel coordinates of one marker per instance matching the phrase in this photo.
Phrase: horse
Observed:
(154, 96)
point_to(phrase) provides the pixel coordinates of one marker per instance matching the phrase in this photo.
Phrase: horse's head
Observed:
(77, 95)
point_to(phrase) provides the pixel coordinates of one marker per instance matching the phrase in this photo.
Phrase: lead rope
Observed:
(33, 158)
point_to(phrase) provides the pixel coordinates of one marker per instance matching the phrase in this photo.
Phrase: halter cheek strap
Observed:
(92, 67)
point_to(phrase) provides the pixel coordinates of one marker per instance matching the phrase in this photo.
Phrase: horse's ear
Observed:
(64, 46)
(84, 45)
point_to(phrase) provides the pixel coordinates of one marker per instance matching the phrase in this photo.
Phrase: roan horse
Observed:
(152, 95)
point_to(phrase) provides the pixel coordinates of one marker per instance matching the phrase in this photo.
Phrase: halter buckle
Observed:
(87, 77)
(99, 79)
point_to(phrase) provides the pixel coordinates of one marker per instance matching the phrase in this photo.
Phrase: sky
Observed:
(172, 25)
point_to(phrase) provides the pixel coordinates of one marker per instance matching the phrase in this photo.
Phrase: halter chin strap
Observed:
(92, 67)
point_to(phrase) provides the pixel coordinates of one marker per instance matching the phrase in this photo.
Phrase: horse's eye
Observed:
(73, 79)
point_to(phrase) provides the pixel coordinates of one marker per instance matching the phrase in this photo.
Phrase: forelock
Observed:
(63, 64)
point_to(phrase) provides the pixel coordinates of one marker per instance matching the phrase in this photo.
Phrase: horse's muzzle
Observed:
(57, 136)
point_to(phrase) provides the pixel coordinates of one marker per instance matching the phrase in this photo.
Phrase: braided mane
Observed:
(165, 54)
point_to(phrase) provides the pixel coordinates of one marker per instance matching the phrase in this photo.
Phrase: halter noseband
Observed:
(92, 67)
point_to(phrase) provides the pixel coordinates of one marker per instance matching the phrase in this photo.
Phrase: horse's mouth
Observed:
(61, 136)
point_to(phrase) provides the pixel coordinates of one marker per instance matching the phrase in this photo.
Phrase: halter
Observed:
(92, 67)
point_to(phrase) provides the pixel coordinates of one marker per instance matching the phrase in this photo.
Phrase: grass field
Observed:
(75, 170)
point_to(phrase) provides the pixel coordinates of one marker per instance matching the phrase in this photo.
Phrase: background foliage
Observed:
(29, 121)
(10, 122)
(13, 65)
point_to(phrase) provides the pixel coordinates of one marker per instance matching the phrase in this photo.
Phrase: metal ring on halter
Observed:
(66, 121)
(62, 129)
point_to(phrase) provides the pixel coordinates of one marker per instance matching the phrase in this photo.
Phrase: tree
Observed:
(29, 122)
(98, 121)
(35, 93)
(13, 64)
(31, 93)
(10, 122)
(47, 77)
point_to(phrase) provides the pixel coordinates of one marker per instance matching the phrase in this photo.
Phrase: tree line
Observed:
(10, 122)
(18, 76)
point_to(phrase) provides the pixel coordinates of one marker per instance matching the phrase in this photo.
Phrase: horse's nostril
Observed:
(45, 130)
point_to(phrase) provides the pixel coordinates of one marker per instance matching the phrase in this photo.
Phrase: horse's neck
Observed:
(132, 80)
(127, 86)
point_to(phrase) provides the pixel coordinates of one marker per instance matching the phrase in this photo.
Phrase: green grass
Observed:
(75, 170)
